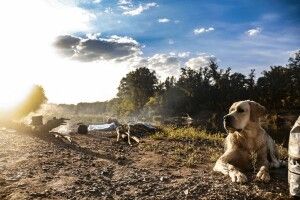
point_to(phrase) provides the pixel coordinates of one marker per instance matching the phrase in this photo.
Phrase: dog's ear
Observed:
(256, 111)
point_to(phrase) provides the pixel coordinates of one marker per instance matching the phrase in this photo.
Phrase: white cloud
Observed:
(163, 20)
(170, 64)
(97, 1)
(171, 41)
(93, 36)
(28, 57)
(37, 24)
(203, 60)
(185, 54)
(124, 2)
(176, 21)
(292, 54)
(254, 32)
(129, 9)
(199, 31)
(108, 10)
(164, 64)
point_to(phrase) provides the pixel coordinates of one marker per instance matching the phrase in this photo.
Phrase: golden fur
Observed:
(245, 136)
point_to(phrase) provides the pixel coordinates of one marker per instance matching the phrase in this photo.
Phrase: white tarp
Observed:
(102, 127)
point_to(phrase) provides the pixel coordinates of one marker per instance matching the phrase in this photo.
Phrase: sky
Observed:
(79, 50)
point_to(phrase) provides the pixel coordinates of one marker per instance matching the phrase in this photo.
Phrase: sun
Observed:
(12, 95)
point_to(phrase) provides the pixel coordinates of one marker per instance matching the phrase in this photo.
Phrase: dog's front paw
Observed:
(263, 174)
(237, 176)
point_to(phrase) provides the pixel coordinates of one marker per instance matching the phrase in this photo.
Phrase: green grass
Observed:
(189, 153)
(187, 133)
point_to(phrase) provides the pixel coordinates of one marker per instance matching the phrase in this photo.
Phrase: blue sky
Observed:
(277, 23)
(85, 47)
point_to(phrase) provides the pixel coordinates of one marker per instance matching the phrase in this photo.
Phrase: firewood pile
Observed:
(127, 131)
(37, 127)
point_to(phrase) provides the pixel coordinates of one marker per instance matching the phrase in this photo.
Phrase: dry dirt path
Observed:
(99, 168)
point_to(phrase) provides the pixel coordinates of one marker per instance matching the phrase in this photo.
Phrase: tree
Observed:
(210, 88)
(293, 69)
(250, 84)
(32, 103)
(273, 87)
(137, 87)
(294, 61)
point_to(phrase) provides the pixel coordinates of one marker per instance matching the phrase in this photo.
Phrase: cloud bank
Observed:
(164, 64)
(202, 60)
(128, 51)
(95, 48)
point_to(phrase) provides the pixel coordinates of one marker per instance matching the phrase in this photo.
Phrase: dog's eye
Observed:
(240, 110)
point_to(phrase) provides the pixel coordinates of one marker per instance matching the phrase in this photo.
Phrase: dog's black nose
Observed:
(228, 120)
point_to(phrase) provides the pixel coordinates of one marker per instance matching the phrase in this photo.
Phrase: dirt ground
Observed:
(97, 167)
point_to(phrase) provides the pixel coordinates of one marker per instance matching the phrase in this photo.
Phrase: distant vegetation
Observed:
(208, 88)
(205, 94)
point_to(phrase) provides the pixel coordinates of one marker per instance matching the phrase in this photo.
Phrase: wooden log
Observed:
(36, 130)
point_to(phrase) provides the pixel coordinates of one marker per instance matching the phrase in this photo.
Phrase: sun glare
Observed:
(11, 96)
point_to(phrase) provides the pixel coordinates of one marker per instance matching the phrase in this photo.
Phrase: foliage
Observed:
(214, 89)
(135, 90)
(32, 103)
(196, 91)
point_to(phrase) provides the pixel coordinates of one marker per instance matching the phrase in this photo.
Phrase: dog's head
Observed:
(241, 113)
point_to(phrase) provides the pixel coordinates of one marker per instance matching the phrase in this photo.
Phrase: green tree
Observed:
(272, 87)
(137, 87)
(293, 69)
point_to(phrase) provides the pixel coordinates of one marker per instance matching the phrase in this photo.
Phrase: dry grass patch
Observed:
(282, 152)
(187, 133)
(187, 154)
(215, 155)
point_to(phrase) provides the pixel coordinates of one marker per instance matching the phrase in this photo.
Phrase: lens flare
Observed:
(13, 95)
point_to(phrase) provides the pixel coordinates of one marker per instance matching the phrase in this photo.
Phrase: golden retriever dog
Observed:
(246, 136)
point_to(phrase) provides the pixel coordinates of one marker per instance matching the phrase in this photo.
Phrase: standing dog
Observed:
(245, 136)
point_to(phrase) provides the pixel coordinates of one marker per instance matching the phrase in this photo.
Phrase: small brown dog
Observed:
(245, 136)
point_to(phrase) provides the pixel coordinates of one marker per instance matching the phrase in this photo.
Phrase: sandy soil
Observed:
(97, 167)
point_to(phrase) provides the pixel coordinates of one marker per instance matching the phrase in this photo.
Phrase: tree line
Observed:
(208, 88)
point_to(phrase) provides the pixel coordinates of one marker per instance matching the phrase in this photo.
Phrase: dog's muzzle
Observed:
(228, 121)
